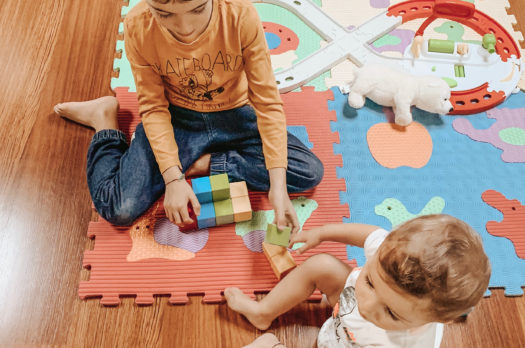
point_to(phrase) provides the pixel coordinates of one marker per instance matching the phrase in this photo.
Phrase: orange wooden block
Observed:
(280, 259)
(242, 209)
(238, 189)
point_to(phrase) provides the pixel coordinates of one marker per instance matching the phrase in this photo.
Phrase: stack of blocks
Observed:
(275, 248)
(221, 202)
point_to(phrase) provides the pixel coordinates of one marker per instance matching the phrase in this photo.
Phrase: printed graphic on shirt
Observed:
(347, 304)
(196, 86)
(199, 79)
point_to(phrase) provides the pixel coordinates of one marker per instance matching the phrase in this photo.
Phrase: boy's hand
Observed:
(311, 239)
(178, 194)
(285, 214)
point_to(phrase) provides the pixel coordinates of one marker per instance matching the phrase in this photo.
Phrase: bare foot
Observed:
(267, 340)
(98, 113)
(200, 167)
(242, 303)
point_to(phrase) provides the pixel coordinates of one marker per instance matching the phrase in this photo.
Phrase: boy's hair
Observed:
(437, 257)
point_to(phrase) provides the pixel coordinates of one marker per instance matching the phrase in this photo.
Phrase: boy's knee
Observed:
(118, 218)
(310, 176)
(317, 172)
(123, 215)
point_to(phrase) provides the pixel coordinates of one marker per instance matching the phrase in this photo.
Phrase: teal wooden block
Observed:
(276, 236)
(207, 217)
(223, 211)
(202, 189)
(220, 187)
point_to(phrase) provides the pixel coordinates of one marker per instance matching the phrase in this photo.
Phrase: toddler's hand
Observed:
(311, 239)
(178, 194)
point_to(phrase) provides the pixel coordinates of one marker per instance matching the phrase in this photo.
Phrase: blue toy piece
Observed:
(202, 189)
(207, 217)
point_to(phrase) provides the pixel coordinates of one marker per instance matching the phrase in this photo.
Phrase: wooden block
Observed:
(207, 217)
(276, 236)
(223, 211)
(242, 209)
(238, 189)
(220, 187)
(280, 259)
(271, 250)
(202, 189)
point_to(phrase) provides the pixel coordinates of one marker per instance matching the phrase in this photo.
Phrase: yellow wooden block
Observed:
(242, 209)
(280, 259)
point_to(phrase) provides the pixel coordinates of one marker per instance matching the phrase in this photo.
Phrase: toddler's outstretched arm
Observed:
(351, 233)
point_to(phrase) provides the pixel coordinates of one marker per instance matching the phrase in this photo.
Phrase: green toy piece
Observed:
(441, 46)
(303, 206)
(489, 42)
(276, 236)
(220, 187)
(396, 212)
(223, 211)
(459, 70)
(450, 82)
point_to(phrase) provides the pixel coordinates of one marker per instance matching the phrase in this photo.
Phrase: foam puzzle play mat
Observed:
(469, 163)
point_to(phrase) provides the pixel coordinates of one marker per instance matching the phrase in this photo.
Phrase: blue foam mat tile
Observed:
(459, 171)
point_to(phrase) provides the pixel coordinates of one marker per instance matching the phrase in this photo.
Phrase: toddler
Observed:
(429, 269)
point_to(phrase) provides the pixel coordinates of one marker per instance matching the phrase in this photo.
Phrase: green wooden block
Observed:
(276, 236)
(223, 211)
(220, 187)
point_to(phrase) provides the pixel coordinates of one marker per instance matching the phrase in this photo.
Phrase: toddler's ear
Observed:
(462, 318)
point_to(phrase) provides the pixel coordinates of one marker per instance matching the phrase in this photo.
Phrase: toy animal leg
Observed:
(402, 119)
(356, 100)
(402, 112)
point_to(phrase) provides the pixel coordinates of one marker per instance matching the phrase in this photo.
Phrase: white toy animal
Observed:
(391, 87)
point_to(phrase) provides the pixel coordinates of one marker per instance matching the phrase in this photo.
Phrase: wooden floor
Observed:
(58, 50)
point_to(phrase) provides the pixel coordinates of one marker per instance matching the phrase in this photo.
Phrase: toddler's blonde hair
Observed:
(438, 257)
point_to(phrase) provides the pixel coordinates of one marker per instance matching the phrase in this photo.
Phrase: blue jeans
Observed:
(124, 181)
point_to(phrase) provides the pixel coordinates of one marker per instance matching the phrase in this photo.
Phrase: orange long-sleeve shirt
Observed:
(227, 67)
